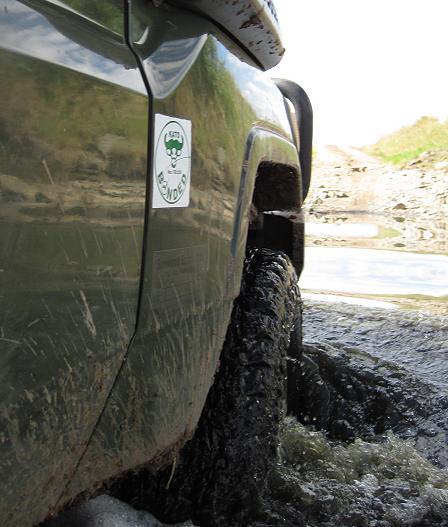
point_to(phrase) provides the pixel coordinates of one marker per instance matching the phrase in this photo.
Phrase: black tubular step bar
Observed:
(304, 113)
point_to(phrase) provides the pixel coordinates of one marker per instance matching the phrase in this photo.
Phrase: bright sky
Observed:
(369, 66)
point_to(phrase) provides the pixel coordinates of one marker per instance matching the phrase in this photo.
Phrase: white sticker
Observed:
(172, 162)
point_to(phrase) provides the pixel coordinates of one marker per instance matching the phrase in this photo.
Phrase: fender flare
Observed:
(304, 114)
(264, 146)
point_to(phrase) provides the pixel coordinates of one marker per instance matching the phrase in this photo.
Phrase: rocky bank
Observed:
(410, 204)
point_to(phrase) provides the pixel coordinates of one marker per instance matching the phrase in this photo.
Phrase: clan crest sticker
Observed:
(172, 162)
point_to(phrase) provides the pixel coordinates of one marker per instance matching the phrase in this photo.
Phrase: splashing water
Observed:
(368, 484)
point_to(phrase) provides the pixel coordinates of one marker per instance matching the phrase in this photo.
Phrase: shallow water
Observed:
(352, 300)
(375, 272)
(360, 274)
(343, 230)
(352, 261)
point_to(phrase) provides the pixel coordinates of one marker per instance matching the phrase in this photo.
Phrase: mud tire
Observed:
(224, 469)
(221, 475)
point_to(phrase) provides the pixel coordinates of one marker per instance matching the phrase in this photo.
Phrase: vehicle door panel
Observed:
(73, 146)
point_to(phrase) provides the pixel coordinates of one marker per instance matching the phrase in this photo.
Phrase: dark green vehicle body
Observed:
(112, 311)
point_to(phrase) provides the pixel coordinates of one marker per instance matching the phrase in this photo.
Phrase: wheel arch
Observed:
(268, 212)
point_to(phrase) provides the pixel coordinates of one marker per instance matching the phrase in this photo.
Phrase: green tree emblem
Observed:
(174, 143)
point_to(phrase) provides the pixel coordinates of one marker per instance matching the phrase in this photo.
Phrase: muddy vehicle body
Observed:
(142, 149)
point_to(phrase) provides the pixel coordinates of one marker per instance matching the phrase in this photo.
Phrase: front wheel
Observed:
(225, 467)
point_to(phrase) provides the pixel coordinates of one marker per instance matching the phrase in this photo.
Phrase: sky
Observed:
(368, 66)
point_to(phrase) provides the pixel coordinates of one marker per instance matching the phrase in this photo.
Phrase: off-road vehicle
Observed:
(143, 154)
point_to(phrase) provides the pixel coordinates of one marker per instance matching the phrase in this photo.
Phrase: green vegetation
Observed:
(409, 142)
(74, 122)
(387, 232)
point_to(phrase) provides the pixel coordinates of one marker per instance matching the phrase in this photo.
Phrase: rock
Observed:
(400, 206)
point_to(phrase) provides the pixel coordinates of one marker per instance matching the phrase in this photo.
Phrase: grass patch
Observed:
(387, 232)
(409, 142)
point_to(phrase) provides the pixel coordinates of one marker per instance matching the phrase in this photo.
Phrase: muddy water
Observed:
(375, 290)
(377, 233)
(377, 238)
(375, 272)
(379, 458)
(413, 341)
(350, 260)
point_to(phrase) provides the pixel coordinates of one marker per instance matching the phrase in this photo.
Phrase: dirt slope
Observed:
(409, 205)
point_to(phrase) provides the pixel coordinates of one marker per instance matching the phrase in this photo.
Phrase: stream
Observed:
(375, 290)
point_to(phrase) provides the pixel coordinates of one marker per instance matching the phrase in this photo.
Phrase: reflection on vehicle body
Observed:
(113, 312)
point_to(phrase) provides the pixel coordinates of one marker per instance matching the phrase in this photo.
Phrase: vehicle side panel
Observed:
(73, 143)
(191, 274)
